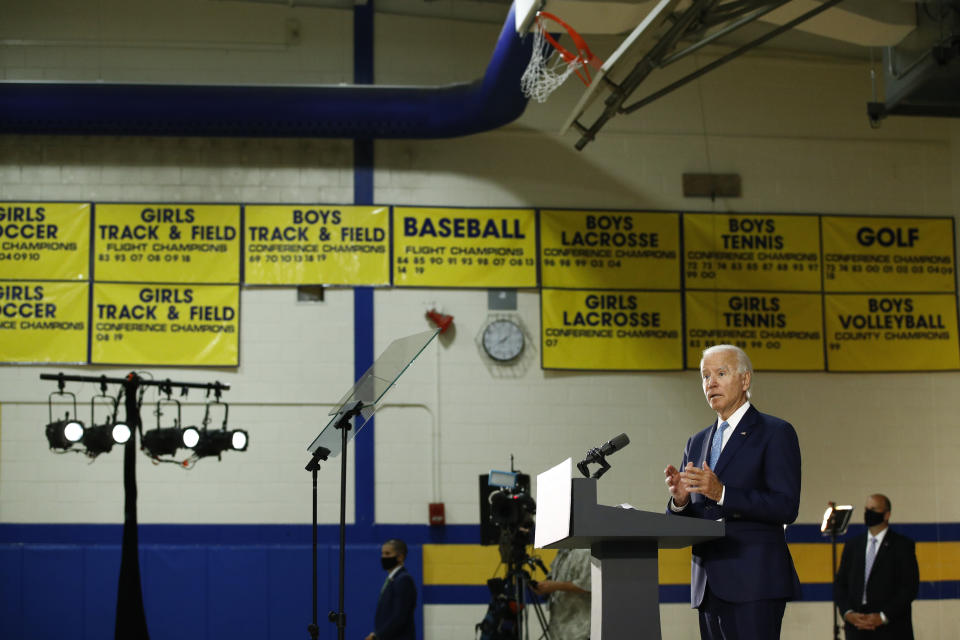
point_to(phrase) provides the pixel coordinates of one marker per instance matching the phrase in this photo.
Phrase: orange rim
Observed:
(583, 55)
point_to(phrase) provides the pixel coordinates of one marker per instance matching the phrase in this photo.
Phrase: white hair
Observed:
(743, 360)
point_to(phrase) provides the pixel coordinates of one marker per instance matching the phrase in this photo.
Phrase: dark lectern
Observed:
(623, 543)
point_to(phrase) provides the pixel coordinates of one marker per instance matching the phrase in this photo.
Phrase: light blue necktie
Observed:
(717, 444)
(871, 556)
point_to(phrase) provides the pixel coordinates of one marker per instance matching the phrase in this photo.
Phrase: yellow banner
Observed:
(751, 252)
(890, 332)
(184, 325)
(167, 243)
(45, 240)
(610, 249)
(464, 248)
(780, 331)
(317, 244)
(888, 254)
(601, 330)
(43, 321)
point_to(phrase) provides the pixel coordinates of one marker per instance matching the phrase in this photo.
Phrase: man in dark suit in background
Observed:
(882, 610)
(398, 596)
(745, 470)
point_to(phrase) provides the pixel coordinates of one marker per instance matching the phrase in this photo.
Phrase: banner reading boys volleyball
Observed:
(44, 240)
(43, 321)
(602, 330)
(780, 331)
(888, 254)
(167, 243)
(188, 325)
(754, 252)
(891, 332)
(610, 249)
(464, 247)
(317, 244)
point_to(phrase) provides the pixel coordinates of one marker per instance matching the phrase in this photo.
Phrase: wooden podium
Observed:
(623, 543)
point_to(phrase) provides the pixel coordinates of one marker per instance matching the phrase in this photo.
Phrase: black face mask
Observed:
(388, 563)
(872, 518)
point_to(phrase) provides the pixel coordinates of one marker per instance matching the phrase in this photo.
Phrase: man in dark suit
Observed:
(745, 470)
(882, 610)
(398, 596)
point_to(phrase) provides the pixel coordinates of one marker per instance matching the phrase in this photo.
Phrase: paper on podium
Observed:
(553, 504)
(370, 389)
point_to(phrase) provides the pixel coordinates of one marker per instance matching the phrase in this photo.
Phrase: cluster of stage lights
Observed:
(203, 442)
(68, 434)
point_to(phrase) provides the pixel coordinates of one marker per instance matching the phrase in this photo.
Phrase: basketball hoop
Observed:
(551, 63)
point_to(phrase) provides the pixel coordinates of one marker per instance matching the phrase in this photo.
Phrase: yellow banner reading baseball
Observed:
(601, 330)
(188, 325)
(780, 331)
(610, 249)
(45, 240)
(888, 254)
(317, 244)
(464, 247)
(43, 321)
(167, 243)
(913, 332)
(752, 252)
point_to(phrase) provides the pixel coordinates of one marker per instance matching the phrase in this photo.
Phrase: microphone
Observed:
(599, 455)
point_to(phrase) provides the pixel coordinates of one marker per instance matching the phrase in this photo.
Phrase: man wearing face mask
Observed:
(878, 579)
(398, 596)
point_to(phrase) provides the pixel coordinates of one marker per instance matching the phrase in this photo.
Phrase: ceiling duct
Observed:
(922, 73)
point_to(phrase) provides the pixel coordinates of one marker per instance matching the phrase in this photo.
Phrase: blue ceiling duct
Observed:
(328, 111)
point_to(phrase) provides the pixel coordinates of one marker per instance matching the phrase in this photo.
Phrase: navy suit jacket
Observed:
(395, 609)
(760, 470)
(894, 582)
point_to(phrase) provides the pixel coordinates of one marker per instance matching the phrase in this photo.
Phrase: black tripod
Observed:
(506, 617)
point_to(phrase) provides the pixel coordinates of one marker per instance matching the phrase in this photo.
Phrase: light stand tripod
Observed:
(835, 521)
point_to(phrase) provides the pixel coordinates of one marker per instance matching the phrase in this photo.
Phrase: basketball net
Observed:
(551, 64)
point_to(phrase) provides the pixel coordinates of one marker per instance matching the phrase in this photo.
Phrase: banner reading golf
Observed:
(780, 331)
(891, 332)
(888, 254)
(610, 249)
(167, 243)
(43, 322)
(317, 244)
(44, 240)
(753, 252)
(464, 248)
(603, 330)
(187, 325)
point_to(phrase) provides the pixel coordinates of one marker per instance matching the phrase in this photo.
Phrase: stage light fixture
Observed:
(162, 441)
(63, 434)
(98, 439)
(214, 443)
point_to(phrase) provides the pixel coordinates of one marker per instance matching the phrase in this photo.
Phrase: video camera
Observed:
(507, 514)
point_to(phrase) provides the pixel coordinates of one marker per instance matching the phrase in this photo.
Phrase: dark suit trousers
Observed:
(755, 620)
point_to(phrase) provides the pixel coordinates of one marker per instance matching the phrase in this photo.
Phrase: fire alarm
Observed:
(437, 517)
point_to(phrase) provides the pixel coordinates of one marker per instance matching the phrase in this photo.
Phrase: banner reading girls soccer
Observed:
(464, 248)
(751, 252)
(43, 322)
(610, 249)
(603, 330)
(888, 254)
(317, 244)
(44, 240)
(167, 243)
(186, 325)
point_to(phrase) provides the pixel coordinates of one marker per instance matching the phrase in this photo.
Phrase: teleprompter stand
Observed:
(348, 417)
(835, 522)
(623, 546)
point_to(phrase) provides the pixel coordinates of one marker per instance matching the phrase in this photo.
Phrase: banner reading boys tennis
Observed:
(317, 244)
(610, 249)
(754, 252)
(891, 332)
(43, 322)
(464, 247)
(602, 330)
(888, 254)
(167, 243)
(188, 325)
(45, 240)
(780, 331)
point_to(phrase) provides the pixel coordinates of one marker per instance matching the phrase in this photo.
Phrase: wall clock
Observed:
(503, 340)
